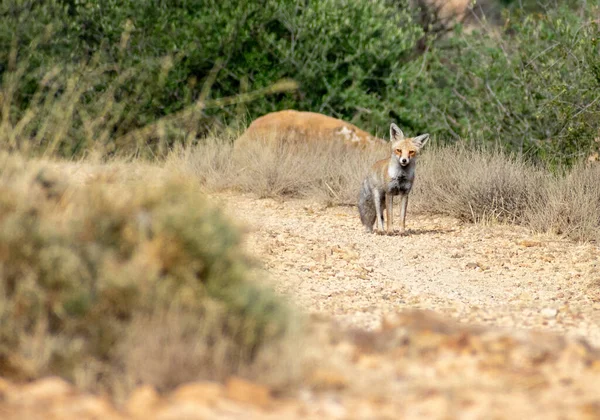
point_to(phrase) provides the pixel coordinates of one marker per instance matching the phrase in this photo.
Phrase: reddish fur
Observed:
(381, 167)
(388, 178)
(405, 146)
(306, 126)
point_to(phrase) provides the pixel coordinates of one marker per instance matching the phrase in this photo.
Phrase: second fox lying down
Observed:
(390, 177)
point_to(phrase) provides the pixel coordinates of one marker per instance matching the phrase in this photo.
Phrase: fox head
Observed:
(405, 149)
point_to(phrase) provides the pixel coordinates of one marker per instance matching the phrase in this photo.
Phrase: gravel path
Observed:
(496, 274)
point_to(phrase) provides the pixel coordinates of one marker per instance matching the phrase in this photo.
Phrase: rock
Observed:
(202, 392)
(142, 401)
(333, 409)
(590, 410)
(185, 410)
(549, 313)
(529, 243)
(240, 390)
(5, 387)
(472, 265)
(43, 391)
(322, 379)
(85, 407)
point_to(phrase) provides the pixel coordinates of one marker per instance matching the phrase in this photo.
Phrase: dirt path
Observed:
(498, 275)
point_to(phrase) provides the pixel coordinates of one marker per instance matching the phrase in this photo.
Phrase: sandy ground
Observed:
(497, 275)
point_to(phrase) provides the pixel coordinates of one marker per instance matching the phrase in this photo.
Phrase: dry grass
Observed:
(108, 280)
(474, 185)
(328, 172)
(569, 204)
(484, 186)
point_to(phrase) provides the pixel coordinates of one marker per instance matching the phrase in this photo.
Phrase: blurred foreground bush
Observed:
(109, 284)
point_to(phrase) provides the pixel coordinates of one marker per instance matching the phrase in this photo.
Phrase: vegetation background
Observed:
(87, 269)
(522, 75)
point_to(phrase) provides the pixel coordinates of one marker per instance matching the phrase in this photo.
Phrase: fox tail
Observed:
(366, 206)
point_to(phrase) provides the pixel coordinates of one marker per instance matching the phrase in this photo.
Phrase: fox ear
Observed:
(395, 133)
(420, 141)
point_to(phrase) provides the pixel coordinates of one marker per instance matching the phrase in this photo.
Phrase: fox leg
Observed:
(378, 210)
(403, 206)
(389, 212)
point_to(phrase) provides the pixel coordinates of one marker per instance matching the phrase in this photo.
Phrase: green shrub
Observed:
(114, 67)
(532, 89)
(112, 76)
(82, 267)
(347, 57)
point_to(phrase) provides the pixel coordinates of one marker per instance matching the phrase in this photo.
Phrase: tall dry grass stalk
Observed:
(569, 204)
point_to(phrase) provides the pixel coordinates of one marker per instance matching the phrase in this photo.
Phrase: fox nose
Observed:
(404, 161)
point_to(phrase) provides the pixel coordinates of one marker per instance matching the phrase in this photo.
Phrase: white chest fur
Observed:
(397, 171)
(394, 169)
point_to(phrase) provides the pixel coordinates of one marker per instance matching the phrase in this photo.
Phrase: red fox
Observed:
(390, 177)
(290, 126)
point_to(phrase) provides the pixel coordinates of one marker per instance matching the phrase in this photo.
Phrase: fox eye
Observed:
(411, 153)
(398, 151)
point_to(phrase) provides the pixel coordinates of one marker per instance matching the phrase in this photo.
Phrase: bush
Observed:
(347, 57)
(531, 89)
(569, 205)
(493, 186)
(115, 67)
(135, 76)
(477, 185)
(85, 270)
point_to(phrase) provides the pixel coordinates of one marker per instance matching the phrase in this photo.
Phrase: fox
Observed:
(390, 177)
